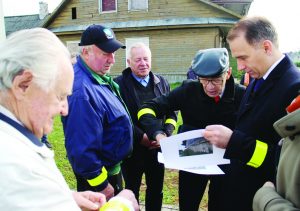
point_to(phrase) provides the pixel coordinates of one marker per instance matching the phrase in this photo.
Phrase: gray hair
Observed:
(86, 47)
(37, 50)
(138, 45)
(256, 29)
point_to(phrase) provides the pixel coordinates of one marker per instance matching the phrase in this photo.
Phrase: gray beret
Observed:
(210, 62)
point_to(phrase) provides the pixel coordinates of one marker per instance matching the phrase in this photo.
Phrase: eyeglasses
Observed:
(215, 81)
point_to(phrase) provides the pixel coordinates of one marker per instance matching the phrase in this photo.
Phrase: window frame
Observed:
(130, 5)
(110, 11)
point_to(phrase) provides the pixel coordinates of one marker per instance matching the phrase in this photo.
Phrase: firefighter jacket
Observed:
(98, 129)
(252, 146)
(197, 109)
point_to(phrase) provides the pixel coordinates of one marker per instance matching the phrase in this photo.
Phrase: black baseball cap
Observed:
(103, 37)
(210, 63)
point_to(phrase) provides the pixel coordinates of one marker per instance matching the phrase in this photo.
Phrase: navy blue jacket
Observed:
(257, 113)
(98, 129)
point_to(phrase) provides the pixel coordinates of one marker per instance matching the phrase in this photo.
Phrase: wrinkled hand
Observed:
(145, 141)
(128, 194)
(88, 200)
(108, 191)
(269, 184)
(217, 135)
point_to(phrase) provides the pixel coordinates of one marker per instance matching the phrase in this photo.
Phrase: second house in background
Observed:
(98, 129)
(137, 85)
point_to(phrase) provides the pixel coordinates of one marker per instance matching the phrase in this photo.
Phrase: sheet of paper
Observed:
(190, 150)
(211, 170)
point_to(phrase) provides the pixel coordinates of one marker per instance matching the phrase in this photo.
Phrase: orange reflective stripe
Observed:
(259, 154)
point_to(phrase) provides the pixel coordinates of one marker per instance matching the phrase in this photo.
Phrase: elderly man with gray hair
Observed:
(35, 79)
(213, 98)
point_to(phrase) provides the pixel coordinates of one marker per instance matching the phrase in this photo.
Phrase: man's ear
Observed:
(229, 73)
(85, 53)
(21, 82)
(267, 45)
(128, 62)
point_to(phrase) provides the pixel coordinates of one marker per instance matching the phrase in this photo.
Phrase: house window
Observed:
(137, 5)
(107, 6)
(130, 41)
(74, 13)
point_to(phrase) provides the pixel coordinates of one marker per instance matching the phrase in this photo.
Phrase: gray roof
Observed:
(16, 23)
(239, 6)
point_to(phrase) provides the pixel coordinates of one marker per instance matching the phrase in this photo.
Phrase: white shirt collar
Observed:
(272, 67)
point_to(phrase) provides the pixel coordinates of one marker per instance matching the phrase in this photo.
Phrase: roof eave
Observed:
(54, 14)
(188, 22)
(221, 8)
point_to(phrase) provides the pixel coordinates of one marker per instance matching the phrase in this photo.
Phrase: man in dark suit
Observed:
(252, 145)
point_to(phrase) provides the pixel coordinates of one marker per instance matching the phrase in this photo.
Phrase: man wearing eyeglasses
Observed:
(213, 99)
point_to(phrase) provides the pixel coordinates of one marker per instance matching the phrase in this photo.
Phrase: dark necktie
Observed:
(258, 84)
(217, 99)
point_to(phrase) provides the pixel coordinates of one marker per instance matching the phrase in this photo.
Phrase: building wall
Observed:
(87, 12)
(172, 49)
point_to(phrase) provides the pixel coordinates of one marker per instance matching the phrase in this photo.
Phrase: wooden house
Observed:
(173, 29)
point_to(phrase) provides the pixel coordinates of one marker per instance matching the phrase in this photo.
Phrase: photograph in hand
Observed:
(195, 146)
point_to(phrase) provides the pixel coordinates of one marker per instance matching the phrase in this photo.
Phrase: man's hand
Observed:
(217, 135)
(145, 141)
(89, 200)
(128, 194)
(158, 137)
(108, 191)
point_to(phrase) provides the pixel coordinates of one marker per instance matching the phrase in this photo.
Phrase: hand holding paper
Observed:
(217, 135)
(191, 151)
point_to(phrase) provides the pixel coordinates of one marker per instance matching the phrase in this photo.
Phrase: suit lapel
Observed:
(251, 99)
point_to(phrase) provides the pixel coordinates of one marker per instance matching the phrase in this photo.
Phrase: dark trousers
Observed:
(114, 180)
(192, 187)
(191, 190)
(133, 169)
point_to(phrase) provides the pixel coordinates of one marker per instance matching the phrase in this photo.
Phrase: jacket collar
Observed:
(15, 128)
(288, 125)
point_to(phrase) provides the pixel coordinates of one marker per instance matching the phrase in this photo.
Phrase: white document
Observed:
(199, 170)
(191, 152)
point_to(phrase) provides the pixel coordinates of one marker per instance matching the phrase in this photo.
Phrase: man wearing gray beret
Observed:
(213, 99)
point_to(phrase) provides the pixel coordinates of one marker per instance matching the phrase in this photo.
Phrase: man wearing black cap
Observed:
(213, 99)
(98, 129)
